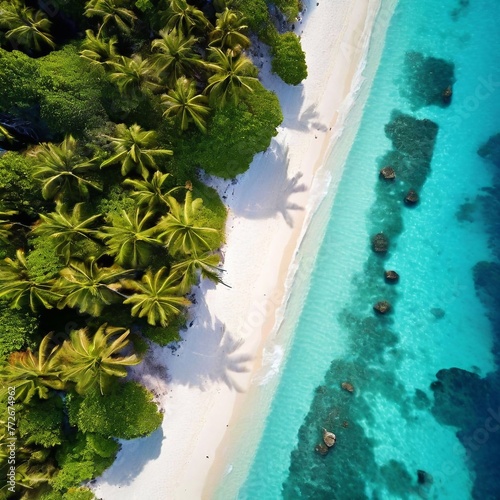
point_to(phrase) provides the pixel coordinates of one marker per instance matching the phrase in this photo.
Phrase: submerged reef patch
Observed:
(428, 81)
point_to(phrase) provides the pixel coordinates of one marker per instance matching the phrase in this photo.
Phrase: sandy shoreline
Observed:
(269, 208)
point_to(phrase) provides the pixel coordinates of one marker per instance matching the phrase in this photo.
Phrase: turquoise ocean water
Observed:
(426, 383)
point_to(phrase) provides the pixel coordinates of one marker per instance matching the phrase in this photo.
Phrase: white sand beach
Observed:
(201, 384)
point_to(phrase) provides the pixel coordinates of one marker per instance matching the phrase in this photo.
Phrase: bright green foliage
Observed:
(116, 201)
(17, 329)
(19, 286)
(127, 412)
(256, 13)
(18, 189)
(165, 335)
(153, 194)
(70, 92)
(290, 8)
(234, 77)
(41, 424)
(82, 458)
(60, 169)
(174, 57)
(93, 360)
(97, 50)
(135, 149)
(111, 13)
(186, 105)
(289, 61)
(26, 27)
(42, 261)
(88, 287)
(235, 134)
(132, 238)
(18, 77)
(180, 231)
(229, 32)
(79, 493)
(157, 297)
(66, 228)
(33, 373)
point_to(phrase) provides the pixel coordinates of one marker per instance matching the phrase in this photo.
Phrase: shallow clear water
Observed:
(444, 314)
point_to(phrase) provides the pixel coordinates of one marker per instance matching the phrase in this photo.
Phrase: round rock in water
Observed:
(388, 173)
(382, 307)
(329, 438)
(391, 276)
(347, 386)
(447, 94)
(411, 197)
(380, 243)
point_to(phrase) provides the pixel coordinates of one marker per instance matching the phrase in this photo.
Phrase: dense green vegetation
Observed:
(108, 109)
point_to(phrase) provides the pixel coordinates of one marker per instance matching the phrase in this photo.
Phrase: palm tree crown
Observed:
(234, 76)
(174, 56)
(135, 150)
(33, 373)
(229, 31)
(132, 74)
(97, 50)
(180, 231)
(59, 168)
(131, 239)
(27, 27)
(158, 298)
(183, 17)
(66, 228)
(92, 361)
(111, 14)
(153, 193)
(186, 105)
(17, 285)
(88, 287)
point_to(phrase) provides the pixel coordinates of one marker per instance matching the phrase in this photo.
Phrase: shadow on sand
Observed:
(215, 356)
(272, 195)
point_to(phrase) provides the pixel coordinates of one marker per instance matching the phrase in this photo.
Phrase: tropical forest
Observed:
(112, 113)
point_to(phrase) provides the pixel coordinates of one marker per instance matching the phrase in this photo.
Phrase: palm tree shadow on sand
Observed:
(270, 194)
(215, 356)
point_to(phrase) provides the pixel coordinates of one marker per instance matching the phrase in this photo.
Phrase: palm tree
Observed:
(152, 194)
(158, 298)
(97, 50)
(228, 32)
(33, 373)
(205, 264)
(174, 56)
(88, 287)
(135, 149)
(180, 231)
(130, 238)
(17, 285)
(186, 105)
(66, 228)
(183, 17)
(27, 27)
(132, 74)
(94, 360)
(111, 13)
(6, 225)
(234, 77)
(59, 168)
